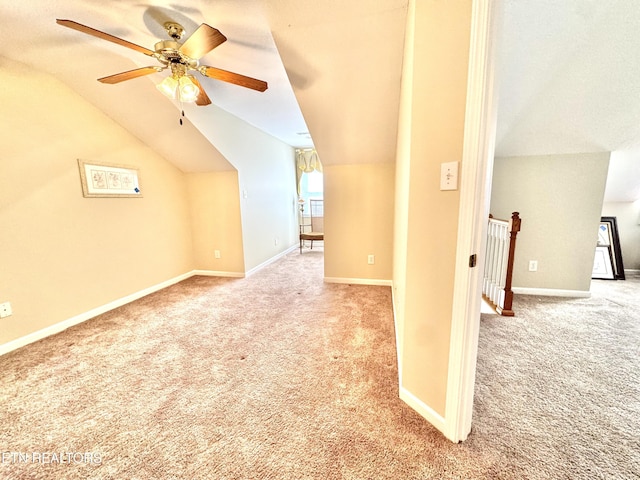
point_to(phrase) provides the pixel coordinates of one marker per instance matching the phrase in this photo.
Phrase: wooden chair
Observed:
(316, 218)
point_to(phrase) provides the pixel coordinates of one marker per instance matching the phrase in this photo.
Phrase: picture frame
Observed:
(608, 236)
(108, 180)
(602, 266)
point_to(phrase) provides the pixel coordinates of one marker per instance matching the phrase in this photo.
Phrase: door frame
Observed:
(475, 195)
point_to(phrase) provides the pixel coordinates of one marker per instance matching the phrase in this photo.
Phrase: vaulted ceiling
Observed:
(342, 60)
(569, 80)
(570, 83)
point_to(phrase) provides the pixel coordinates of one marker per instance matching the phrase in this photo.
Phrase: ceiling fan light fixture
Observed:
(189, 91)
(168, 87)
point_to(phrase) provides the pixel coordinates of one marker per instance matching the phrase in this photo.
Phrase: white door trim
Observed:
(475, 191)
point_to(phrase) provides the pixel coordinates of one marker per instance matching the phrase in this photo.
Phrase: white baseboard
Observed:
(397, 334)
(271, 260)
(83, 317)
(423, 409)
(216, 273)
(551, 292)
(360, 281)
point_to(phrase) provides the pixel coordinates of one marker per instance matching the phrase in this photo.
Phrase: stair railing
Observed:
(498, 267)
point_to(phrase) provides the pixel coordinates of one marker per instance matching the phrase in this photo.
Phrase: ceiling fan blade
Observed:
(202, 41)
(235, 78)
(138, 72)
(203, 99)
(105, 36)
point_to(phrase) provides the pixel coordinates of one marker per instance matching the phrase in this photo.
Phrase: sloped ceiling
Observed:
(570, 83)
(345, 60)
(31, 36)
(569, 79)
(342, 58)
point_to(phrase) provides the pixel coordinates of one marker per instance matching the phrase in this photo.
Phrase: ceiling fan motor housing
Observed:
(168, 52)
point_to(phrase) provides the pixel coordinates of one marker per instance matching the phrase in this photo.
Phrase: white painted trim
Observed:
(551, 292)
(271, 260)
(216, 273)
(475, 191)
(423, 409)
(360, 281)
(395, 329)
(83, 317)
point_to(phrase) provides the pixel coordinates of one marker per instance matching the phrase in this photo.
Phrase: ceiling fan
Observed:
(180, 57)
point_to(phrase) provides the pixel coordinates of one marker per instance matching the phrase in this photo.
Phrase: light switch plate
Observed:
(449, 176)
(5, 309)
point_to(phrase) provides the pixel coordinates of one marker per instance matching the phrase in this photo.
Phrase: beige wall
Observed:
(267, 185)
(426, 219)
(62, 254)
(268, 201)
(559, 198)
(358, 206)
(628, 219)
(214, 202)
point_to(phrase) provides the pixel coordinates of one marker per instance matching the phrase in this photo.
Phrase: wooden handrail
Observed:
(499, 263)
(514, 228)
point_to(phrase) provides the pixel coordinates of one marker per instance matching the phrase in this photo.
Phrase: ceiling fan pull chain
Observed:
(181, 111)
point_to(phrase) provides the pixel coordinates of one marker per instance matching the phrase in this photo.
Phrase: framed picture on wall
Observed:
(104, 180)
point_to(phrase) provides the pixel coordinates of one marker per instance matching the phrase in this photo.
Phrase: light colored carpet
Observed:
(558, 385)
(280, 376)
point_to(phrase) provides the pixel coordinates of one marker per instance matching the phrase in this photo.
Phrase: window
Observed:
(311, 186)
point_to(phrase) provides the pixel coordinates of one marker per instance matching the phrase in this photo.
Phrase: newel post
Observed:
(514, 228)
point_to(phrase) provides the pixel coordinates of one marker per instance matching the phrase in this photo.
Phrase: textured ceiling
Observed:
(569, 79)
(342, 58)
(570, 83)
(77, 60)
